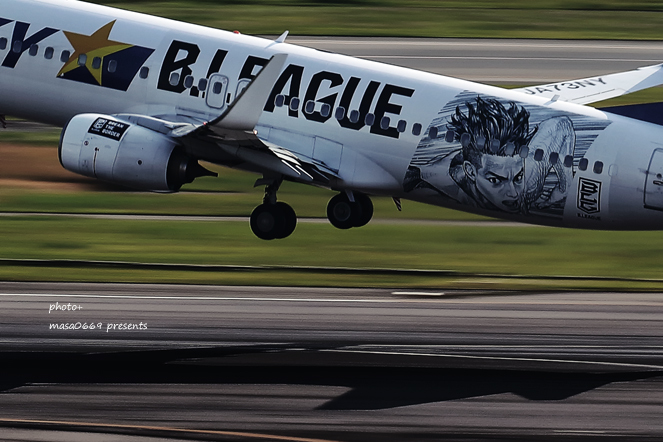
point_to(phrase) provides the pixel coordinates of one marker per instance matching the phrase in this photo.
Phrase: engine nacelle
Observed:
(107, 148)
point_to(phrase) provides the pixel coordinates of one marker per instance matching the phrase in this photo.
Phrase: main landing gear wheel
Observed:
(344, 214)
(366, 208)
(273, 221)
(289, 219)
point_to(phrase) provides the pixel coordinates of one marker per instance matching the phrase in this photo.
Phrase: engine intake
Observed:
(104, 147)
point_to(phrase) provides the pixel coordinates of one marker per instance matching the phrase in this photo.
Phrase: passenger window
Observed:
(96, 63)
(416, 129)
(3, 43)
(325, 111)
(294, 103)
(554, 157)
(495, 146)
(582, 165)
(524, 152)
(568, 161)
(354, 116)
(174, 79)
(510, 149)
(340, 113)
(449, 136)
(465, 139)
(18, 45)
(188, 82)
(481, 142)
(65, 56)
(279, 101)
(369, 120)
(145, 72)
(432, 132)
(33, 50)
(538, 154)
(202, 83)
(310, 107)
(598, 167)
(384, 123)
(112, 67)
(402, 125)
(48, 53)
(82, 59)
(217, 88)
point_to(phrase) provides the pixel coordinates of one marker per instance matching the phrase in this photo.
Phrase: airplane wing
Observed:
(593, 89)
(235, 133)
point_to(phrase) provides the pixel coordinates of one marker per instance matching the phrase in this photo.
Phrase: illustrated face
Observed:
(500, 180)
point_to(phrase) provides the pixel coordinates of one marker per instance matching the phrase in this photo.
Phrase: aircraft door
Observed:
(654, 182)
(216, 91)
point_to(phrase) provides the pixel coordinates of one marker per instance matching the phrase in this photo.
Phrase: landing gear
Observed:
(272, 219)
(344, 214)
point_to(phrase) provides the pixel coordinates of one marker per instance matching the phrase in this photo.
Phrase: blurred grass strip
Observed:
(487, 250)
(612, 20)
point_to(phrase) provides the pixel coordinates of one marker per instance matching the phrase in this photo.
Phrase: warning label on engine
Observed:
(108, 128)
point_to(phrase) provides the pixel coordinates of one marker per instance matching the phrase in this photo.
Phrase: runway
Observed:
(331, 364)
(498, 61)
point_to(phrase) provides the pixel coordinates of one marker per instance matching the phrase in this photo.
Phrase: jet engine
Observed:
(107, 148)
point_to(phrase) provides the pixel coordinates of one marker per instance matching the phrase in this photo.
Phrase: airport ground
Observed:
(435, 361)
(304, 364)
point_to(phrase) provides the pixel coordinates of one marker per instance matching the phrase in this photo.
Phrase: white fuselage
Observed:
(182, 72)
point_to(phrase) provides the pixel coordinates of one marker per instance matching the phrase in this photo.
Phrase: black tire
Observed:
(342, 213)
(366, 208)
(267, 221)
(289, 220)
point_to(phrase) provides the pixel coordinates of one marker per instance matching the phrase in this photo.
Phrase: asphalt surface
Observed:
(329, 364)
(498, 61)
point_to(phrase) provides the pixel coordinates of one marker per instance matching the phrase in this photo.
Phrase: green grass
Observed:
(48, 137)
(485, 250)
(483, 19)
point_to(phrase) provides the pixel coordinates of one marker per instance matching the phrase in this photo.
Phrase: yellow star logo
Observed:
(90, 50)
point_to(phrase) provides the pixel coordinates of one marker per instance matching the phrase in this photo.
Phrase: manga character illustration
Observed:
(488, 154)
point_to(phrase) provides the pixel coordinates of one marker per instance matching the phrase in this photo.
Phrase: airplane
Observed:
(142, 100)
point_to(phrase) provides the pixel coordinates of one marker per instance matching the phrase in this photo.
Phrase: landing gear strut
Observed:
(344, 213)
(272, 219)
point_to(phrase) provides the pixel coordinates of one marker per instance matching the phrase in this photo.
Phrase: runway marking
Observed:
(170, 429)
(451, 57)
(501, 346)
(221, 218)
(580, 431)
(573, 44)
(433, 298)
(502, 358)
(418, 293)
(204, 298)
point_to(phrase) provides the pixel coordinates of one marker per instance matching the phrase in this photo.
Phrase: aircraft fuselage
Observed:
(382, 129)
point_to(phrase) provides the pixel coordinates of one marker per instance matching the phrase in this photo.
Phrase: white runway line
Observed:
(202, 298)
(502, 358)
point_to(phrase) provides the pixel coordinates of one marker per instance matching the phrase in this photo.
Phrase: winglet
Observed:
(245, 111)
(282, 38)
